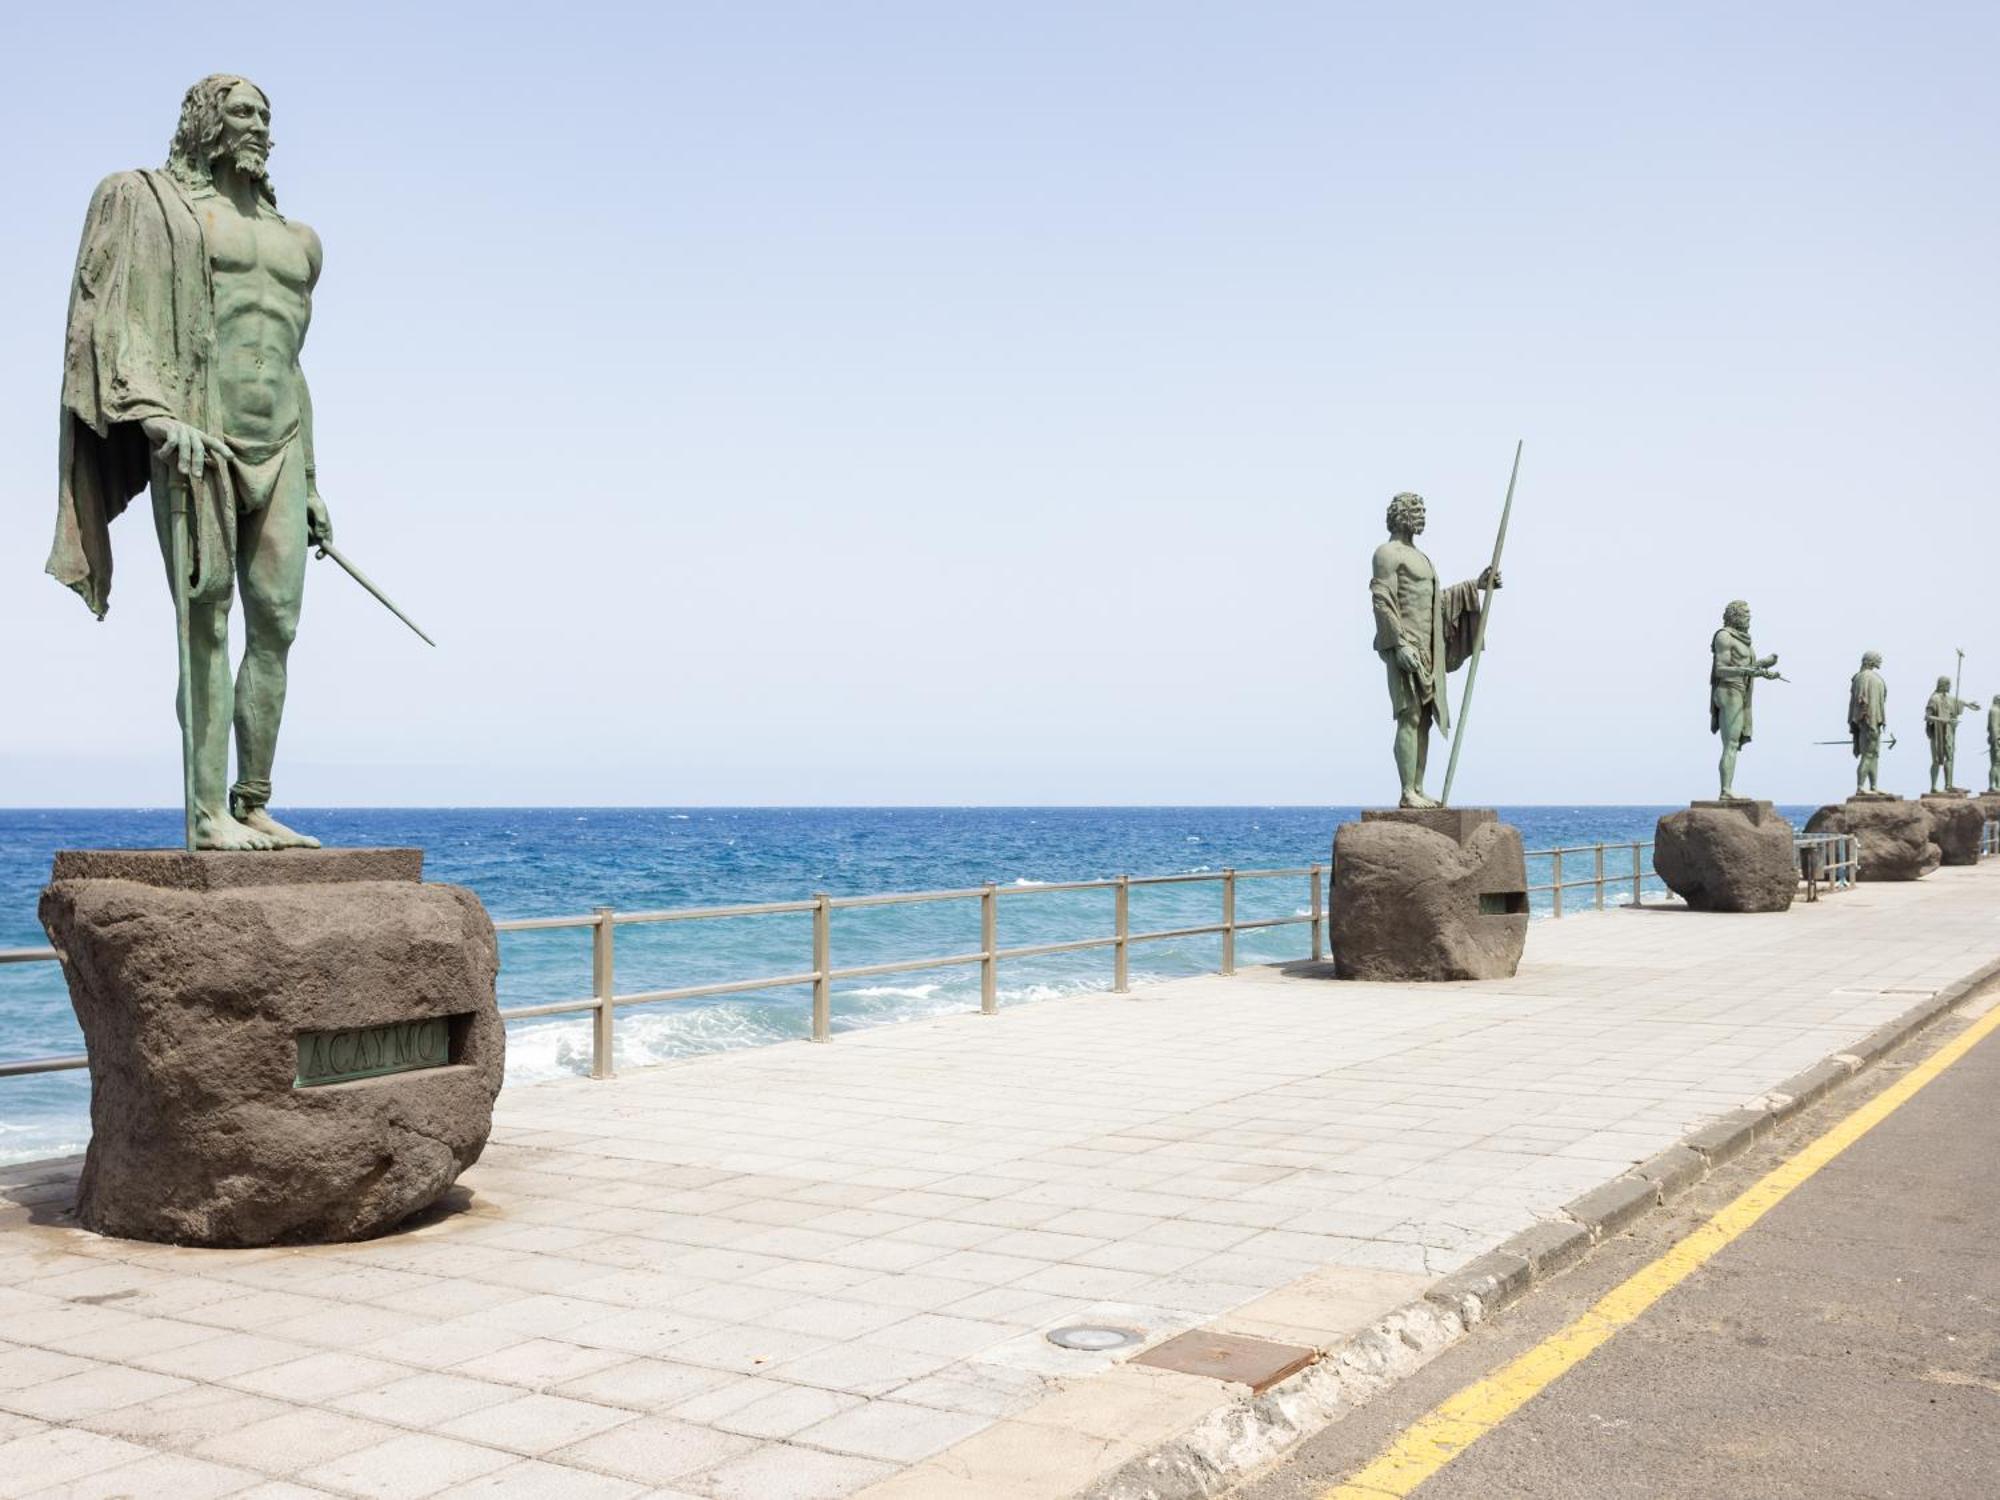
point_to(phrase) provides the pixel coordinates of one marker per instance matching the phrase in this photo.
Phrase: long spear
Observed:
(178, 520)
(1479, 636)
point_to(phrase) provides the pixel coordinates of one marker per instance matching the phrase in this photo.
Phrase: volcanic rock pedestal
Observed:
(285, 1048)
(1428, 893)
(1727, 856)
(1892, 836)
(1957, 820)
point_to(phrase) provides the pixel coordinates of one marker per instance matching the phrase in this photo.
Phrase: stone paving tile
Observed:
(294, 1439)
(185, 1418)
(654, 1450)
(407, 1467)
(169, 1476)
(425, 1399)
(58, 1454)
(89, 1392)
(535, 1424)
(892, 1430)
(533, 1479)
(780, 1472)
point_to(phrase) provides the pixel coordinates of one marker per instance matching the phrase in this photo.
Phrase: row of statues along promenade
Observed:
(325, 1087)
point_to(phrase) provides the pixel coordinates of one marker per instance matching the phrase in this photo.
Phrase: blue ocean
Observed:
(533, 862)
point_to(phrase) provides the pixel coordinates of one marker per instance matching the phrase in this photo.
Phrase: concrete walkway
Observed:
(815, 1271)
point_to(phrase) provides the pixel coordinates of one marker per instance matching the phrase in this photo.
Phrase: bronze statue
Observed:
(1867, 711)
(1941, 724)
(1733, 671)
(190, 303)
(1423, 630)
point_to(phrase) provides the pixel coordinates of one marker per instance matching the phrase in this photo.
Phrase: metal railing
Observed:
(1824, 860)
(1989, 838)
(1633, 876)
(603, 924)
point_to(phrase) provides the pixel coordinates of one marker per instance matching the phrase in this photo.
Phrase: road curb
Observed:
(1228, 1443)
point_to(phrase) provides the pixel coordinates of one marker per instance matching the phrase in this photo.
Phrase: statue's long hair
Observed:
(198, 138)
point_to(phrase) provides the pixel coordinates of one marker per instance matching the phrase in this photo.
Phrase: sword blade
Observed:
(327, 549)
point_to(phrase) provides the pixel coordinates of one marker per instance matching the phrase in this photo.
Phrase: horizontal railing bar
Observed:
(542, 924)
(909, 966)
(1039, 887)
(1038, 950)
(1138, 880)
(721, 987)
(547, 1008)
(1272, 922)
(42, 1065)
(904, 898)
(1177, 932)
(28, 955)
(709, 913)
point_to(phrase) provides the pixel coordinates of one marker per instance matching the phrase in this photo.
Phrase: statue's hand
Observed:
(319, 525)
(1406, 658)
(1489, 577)
(187, 448)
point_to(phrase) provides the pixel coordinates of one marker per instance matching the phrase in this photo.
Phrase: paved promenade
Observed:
(814, 1271)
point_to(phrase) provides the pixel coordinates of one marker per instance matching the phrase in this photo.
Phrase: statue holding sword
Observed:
(189, 307)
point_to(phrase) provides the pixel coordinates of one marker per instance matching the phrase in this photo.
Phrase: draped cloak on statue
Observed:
(1941, 724)
(1442, 642)
(140, 344)
(1730, 648)
(1867, 706)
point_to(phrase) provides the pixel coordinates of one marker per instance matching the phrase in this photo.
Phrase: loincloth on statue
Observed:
(1410, 692)
(259, 468)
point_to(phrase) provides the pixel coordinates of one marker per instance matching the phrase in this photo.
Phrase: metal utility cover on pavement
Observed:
(1257, 1363)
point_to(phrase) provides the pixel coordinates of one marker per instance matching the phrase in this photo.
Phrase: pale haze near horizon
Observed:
(910, 404)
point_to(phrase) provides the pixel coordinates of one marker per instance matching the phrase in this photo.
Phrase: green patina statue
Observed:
(1867, 712)
(1941, 724)
(1993, 746)
(1423, 630)
(1734, 669)
(190, 303)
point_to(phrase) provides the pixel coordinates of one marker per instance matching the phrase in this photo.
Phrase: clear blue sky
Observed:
(916, 402)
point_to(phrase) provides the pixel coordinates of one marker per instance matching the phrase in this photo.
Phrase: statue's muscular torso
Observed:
(264, 269)
(1412, 583)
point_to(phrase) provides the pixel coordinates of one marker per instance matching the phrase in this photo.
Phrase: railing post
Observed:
(989, 931)
(822, 1022)
(604, 985)
(1122, 932)
(1318, 916)
(1556, 883)
(1598, 850)
(1638, 895)
(1229, 921)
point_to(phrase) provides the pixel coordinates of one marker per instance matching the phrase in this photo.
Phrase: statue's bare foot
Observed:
(1418, 799)
(220, 831)
(259, 820)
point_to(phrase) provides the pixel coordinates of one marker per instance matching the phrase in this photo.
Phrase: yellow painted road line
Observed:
(1433, 1441)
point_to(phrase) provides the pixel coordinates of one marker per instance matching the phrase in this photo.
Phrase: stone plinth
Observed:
(1892, 837)
(1427, 894)
(292, 1047)
(1957, 820)
(1727, 856)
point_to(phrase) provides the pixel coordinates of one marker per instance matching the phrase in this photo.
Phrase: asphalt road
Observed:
(1846, 1347)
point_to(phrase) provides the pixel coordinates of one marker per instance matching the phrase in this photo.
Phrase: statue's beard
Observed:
(251, 159)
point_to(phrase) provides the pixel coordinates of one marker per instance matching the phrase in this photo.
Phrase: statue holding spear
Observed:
(1423, 631)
